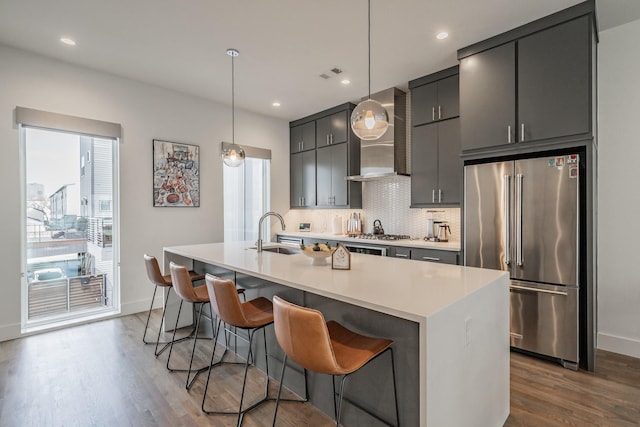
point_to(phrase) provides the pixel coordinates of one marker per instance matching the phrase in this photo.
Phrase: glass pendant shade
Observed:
(369, 120)
(233, 155)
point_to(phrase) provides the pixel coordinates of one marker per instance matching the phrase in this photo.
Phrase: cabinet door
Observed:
(554, 82)
(295, 180)
(309, 178)
(323, 171)
(424, 164)
(450, 167)
(339, 127)
(448, 98)
(323, 131)
(424, 101)
(434, 255)
(332, 129)
(303, 137)
(487, 98)
(339, 169)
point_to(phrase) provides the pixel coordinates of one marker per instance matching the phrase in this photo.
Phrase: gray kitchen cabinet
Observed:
(335, 155)
(302, 137)
(536, 87)
(303, 179)
(420, 254)
(435, 101)
(436, 168)
(488, 97)
(332, 167)
(332, 129)
(435, 255)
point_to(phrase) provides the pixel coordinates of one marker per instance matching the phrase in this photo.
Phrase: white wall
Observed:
(145, 112)
(619, 194)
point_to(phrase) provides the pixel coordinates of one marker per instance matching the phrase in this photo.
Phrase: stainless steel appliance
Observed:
(365, 249)
(522, 216)
(444, 231)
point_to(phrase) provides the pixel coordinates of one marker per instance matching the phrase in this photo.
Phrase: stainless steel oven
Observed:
(366, 249)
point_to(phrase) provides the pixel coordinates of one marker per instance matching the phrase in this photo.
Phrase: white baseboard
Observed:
(9, 332)
(620, 345)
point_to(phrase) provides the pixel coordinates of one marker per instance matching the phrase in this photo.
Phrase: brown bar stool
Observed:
(163, 281)
(251, 316)
(325, 348)
(196, 295)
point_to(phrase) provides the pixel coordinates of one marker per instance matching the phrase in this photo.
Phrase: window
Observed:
(247, 192)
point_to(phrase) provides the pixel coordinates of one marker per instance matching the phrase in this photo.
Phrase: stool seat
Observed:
(352, 350)
(257, 312)
(200, 294)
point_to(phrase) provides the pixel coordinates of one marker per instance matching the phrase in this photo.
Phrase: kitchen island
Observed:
(450, 325)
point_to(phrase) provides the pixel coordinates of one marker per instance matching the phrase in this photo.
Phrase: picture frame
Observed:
(176, 174)
(341, 258)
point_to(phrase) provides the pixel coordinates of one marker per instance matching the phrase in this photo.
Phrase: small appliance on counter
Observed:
(336, 225)
(354, 224)
(304, 226)
(377, 227)
(444, 231)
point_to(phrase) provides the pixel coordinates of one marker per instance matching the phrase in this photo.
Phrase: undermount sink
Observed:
(280, 250)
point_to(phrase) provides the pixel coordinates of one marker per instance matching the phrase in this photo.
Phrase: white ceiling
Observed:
(284, 44)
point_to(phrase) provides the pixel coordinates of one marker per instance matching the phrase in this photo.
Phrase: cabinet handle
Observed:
(402, 256)
(439, 111)
(327, 139)
(332, 139)
(432, 259)
(439, 196)
(433, 113)
(433, 196)
(301, 145)
(522, 132)
(509, 134)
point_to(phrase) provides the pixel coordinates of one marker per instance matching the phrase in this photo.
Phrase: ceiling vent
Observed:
(324, 76)
(336, 70)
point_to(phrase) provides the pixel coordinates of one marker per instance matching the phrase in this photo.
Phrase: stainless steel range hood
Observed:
(386, 156)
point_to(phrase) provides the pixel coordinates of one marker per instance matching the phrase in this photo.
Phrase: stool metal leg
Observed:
(278, 399)
(193, 351)
(144, 336)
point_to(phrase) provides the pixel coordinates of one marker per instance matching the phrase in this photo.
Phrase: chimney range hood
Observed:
(386, 156)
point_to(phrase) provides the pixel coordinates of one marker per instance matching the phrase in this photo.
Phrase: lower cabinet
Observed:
(430, 255)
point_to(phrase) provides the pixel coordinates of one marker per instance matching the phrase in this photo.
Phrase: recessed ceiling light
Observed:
(276, 104)
(443, 35)
(345, 81)
(68, 41)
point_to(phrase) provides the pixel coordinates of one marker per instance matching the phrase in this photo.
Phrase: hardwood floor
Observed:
(102, 375)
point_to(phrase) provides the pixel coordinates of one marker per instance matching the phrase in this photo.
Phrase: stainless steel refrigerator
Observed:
(522, 216)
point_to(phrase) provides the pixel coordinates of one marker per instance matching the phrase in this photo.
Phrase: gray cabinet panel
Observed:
(424, 164)
(302, 137)
(450, 167)
(302, 175)
(423, 103)
(448, 98)
(487, 97)
(554, 81)
(332, 129)
(332, 167)
(434, 255)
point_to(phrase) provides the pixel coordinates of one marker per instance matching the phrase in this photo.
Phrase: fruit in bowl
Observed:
(318, 252)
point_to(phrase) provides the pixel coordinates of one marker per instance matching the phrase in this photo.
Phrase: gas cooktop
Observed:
(370, 236)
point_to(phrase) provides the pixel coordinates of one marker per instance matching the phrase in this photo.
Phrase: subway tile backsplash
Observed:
(385, 199)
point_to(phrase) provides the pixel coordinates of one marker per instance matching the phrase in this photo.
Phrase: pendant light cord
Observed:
(233, 103)
(369, 42)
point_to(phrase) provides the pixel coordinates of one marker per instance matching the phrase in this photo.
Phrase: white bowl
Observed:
(318, 257)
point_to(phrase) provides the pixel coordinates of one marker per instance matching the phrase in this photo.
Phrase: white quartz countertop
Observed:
(413, 290)
(407, 243)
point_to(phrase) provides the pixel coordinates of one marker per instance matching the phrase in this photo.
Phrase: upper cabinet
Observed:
(318, 172)
(333, 129)
(302, 137)
(436, 168)
(435, 101)
(533, 84)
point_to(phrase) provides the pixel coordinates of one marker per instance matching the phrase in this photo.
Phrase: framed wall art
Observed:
(176, 174)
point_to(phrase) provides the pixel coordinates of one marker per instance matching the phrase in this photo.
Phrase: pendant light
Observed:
(369, 120)
(232, 154)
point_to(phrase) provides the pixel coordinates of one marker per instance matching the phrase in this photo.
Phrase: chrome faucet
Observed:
(262, 218)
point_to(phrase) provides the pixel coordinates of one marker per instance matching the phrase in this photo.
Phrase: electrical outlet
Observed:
(467, 331)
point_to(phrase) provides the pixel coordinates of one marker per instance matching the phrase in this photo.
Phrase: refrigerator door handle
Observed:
(538, 290)
(519, 182)
(506, 195)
